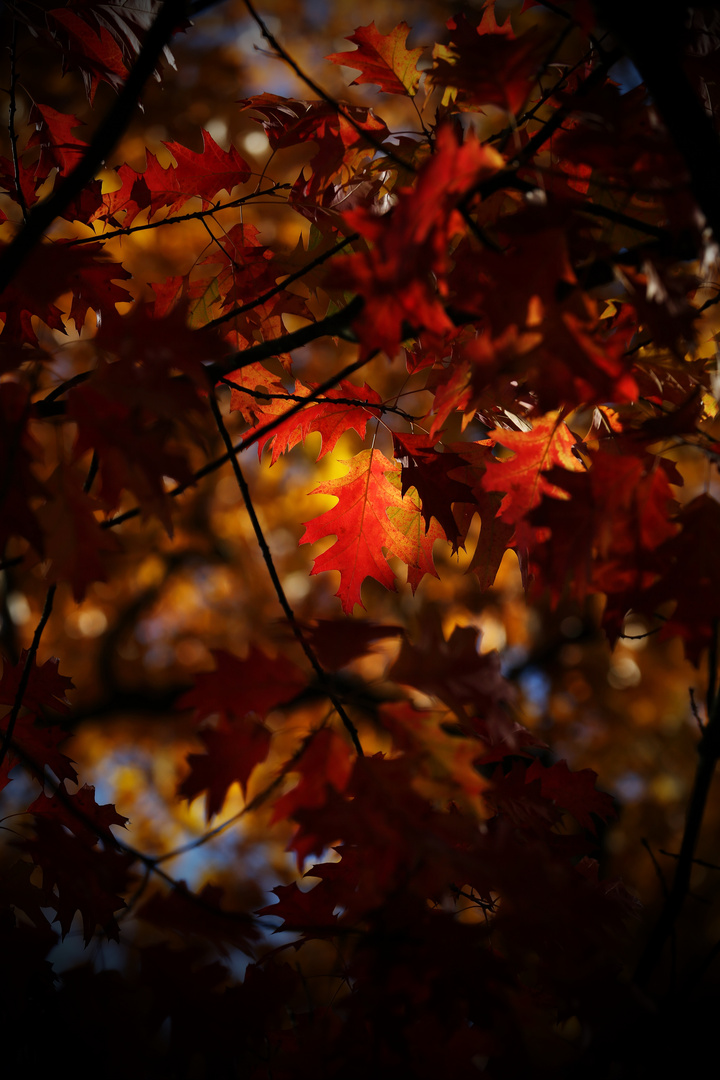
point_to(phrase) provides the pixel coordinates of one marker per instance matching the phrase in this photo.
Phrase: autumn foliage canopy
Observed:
(333, 438)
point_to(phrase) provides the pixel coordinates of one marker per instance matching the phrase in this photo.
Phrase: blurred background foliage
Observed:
(131, 646)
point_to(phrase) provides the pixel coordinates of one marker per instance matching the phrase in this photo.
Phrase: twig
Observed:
(99, 147)
(274, 577)
(26, 672)
(150, 862)
(327, 98)
(656, 866)
(254, 803)
(335, 325)
(176, 218)
(264, 395)
(295, 276)
(697, 862)
(217, 463)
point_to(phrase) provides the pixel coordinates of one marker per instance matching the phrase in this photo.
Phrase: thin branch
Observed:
(696, 862)
(26, 672)
(545, 96)
(7, 564)
(264, 395)
(316, 89)
(150, 862)
(501, 179)
(11, 122)
(336, 325)
(254, 803)
(295, 276)
(557, 45)
(176, 218)
(102, 142)
(63, 387)
(656, 866)
(217, 463)
(275, 578)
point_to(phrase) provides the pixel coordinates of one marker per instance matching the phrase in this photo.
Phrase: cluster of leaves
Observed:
(538, 285)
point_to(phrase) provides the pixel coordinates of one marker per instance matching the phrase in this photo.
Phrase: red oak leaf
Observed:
(426, 469)
(40, 743)
(94, 52)
(132, 448)
(383, 59)
(237, 687)
(361, 524)
(51, 270)
(78, 876)
(496, 536)
(521, 800)
(312, 909)
(25, 178)
(690, 575)
(488, 65)
(330, 417)
(573, 791)
(59, 148)
(199, 915)
(75, 544)
(606, 534)
(198, 173)
(549, 443)
(403, 276)
(290, 123)
(233, 750)
(338, 642)
(418, 537)
(456, 673)
(46, 687)
(326, 761)
(88, 818)
(202, 174)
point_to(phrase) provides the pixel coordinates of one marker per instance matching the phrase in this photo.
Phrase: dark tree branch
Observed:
(275, 578)
(336, 325)
(654, 46)
(42, 216)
